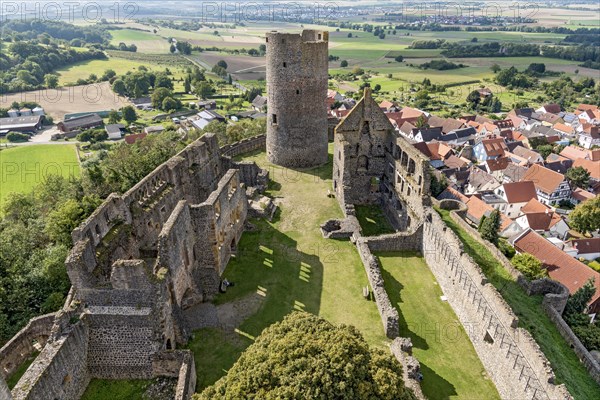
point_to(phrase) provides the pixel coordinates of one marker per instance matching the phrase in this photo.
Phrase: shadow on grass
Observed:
(373, 221)
(271, 264)
(435, 386)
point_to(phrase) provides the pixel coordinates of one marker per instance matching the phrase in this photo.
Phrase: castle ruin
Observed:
(296, 91)
(137, 263)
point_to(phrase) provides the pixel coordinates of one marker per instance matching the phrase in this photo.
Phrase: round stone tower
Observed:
(297, 92)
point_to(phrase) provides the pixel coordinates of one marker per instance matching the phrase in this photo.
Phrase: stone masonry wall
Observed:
(60, 371)
(244, 146)
(510, 355)
(297, 91)
(389, 314)
(4, 391)
(20, 346)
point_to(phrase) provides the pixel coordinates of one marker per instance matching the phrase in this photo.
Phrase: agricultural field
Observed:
(24, 167)
(73, 99)
(146, 42)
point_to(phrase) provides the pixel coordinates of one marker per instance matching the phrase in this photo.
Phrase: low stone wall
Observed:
(591, 364)
(4, 391)
(400, 241)
(244, 146)
(17, 349)
(389, 314)
(180, 364)
(401, 348)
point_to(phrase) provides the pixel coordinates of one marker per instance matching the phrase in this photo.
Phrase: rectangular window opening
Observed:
(284, 64)
(274, 118)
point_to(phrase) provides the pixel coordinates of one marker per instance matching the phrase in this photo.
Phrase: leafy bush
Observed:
(16, 137)
(529, 266)
(307, 357)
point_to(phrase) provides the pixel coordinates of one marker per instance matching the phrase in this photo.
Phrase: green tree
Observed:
(172, 48)
(529, 266)
(119, 87)
(578, 177)
(578, 301)
(159, 95)
(170, 104)
(187, 85)
(129, 114)
(344, 64)
(114, 117)
(586, 216)
(163, 81)
(489, 227)
(495, 68)
(474, 98)
(545, 150)
(222, 64)
(63, 220)
(377, 87)
(203, 89)
(51, 81)
(398, 58)
(305, 356)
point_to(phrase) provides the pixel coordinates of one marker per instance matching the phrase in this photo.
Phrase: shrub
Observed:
(16, 137)
(529, 266)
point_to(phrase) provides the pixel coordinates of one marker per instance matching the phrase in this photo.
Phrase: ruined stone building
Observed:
(297, 73)
(137, 263)
(373, 165)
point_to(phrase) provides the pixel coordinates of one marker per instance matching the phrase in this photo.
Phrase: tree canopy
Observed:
(307, 357)
(586, 216)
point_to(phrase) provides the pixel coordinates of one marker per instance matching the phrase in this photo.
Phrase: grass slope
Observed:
(449, 363)
(24, 167)
(14, 378)
(566, 365)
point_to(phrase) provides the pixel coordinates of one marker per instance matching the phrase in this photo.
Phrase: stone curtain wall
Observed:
(254, 143)
(4, 391)
(180, 364)
(510, 355)
(60, 371)
(20, 346)
(555, 295)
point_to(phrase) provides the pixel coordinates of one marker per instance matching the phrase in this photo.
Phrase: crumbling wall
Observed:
(4, 391)
(60, 371)
(247, 145)
(389, 314)
(180, 364)
(21, 346)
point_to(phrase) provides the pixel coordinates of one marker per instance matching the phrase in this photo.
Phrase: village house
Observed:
(542, 219)
(590, 137)
(478, 209)
(78, 123)
(587, 248)
(514, 195)
(489, 149)
(560, 266)
(259, 103)
(551, 186)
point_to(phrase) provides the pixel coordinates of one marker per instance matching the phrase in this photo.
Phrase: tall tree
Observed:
(306, 357)
(489, 227)
(129, 114)
(578, 177)
(586, 216)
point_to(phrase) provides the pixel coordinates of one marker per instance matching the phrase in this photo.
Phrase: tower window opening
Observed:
(297, 91)
(274, 118)
(284, 64)
(282, 40)
(267, 40)
(319, 36)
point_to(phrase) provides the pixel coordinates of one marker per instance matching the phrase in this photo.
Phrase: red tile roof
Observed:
(544, 179)
(494, 147)
(593, 167)
(560, 266)
(582, 195)
(573, 152)
(534, 206)
(519, 192)
(130, 139)
(477, 208)
(587, 245)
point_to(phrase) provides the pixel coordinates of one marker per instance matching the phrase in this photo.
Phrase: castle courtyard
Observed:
(287, 265)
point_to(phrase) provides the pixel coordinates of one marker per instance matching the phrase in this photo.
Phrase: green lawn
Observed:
(14, 378)
(107, 389)
(372, 221)
(24, 167)
(289, 263)
(564, 362)
(449, 363)
(146, 42)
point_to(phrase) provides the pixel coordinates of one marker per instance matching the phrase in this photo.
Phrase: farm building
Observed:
(30, 123)
(114, 131)
(77, 123)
